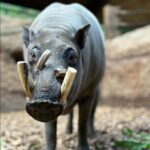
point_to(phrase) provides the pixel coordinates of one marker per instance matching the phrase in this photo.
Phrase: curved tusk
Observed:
(43, 59)
(23, 74)
(67, 83)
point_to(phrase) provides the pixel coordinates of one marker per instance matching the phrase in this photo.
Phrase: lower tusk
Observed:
(23, 74)
(67, 83)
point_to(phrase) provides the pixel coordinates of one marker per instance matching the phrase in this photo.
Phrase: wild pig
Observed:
(71, 37)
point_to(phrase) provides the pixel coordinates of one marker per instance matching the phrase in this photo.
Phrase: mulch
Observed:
(20, 132)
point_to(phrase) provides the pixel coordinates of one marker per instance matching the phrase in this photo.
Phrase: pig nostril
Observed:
(55, 72)
(59, 73)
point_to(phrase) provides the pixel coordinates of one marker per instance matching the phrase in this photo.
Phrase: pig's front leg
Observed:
(51, 133)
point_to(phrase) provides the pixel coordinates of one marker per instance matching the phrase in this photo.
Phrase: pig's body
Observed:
(69, 19)
(66, 20)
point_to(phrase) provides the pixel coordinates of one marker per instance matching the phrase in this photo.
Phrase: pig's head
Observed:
(48, 54)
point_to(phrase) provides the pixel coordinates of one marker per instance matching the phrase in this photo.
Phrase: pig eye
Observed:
(33, 55)
(71, 57)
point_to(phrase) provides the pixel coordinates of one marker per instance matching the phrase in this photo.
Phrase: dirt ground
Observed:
(20, 132)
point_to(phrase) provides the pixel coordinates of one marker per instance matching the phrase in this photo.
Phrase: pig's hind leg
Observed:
(87, 107)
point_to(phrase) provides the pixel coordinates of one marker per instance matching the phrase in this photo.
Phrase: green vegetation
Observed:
(17, 11)
(124, 29)
(134, 141)
(2, 144)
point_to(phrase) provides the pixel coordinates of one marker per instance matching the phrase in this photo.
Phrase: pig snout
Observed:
(44, 110)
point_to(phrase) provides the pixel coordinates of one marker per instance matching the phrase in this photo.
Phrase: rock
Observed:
(12, 95)
(127, 68)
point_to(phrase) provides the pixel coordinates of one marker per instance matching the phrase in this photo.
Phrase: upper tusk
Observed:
(43, 59)
(67, 83)
(23, 74)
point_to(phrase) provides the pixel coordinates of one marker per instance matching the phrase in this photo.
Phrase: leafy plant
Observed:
(134, 141)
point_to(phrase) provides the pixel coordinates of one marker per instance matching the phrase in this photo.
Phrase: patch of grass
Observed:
(17, 11)
(133, 141)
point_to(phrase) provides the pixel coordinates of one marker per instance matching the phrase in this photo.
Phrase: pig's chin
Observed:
(44, 110)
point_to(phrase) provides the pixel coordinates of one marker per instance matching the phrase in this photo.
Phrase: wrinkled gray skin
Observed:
(59, 28)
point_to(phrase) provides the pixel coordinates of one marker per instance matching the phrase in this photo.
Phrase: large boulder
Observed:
(127, 76)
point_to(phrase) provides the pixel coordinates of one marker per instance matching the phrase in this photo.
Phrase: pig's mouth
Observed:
(44, 110)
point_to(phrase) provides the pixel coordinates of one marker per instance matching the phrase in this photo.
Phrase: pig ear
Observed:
(26, 36)
(81, 35)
